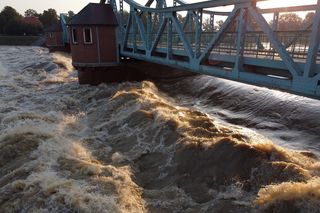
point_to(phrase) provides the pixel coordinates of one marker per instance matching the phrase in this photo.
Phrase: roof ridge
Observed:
(95, 14)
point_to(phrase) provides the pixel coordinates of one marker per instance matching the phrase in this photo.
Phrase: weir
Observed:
(245, 48)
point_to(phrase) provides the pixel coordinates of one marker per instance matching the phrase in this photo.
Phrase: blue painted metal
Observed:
(283, 60)
(63, 21)
(309, 70)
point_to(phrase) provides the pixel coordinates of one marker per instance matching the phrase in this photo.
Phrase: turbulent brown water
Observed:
(195, 144)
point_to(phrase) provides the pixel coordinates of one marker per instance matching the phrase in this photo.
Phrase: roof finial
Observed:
(102, 1)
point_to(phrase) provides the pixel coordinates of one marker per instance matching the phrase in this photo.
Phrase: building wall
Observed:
(56, 40)
(108, 44)
(102, 51)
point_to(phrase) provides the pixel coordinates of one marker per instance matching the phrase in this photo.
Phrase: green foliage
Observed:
(11, 23)
(8, 16)
(33, 30)
(70, 15)
(290, 22)
(17, 27)
(309, 18)
(31, 12)
(48, 17)
(14, 27)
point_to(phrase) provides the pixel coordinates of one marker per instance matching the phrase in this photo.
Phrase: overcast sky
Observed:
(77, 5)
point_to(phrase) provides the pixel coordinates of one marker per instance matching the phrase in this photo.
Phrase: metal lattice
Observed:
(245, 48)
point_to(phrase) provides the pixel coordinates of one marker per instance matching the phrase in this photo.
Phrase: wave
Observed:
(134, 147)
(289, 120)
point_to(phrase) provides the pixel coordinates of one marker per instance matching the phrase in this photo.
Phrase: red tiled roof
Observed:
(31, 20)
(95, 14)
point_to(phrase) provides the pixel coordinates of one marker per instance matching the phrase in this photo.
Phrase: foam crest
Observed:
(300, 195)
(129, 147)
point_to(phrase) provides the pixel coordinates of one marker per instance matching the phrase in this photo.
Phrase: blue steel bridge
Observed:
(245, 48)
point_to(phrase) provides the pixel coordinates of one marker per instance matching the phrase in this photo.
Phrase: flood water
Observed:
(193, 144)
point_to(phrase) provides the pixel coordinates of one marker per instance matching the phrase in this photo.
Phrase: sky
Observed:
(63, 6)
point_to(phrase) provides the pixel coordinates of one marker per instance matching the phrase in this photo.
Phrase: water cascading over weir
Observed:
(246, 48)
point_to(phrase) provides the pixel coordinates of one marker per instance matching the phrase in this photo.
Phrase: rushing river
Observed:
(193, 144)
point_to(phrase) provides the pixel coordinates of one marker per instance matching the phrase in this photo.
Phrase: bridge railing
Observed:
(256, 43)
(234, 51)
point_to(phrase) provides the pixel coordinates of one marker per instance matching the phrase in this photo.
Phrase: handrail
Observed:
(208, 4)
(193, 6)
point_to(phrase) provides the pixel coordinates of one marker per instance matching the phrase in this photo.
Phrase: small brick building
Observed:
(54, 36)
(93, 37)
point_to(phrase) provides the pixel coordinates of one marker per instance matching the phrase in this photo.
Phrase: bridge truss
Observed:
(245, 48)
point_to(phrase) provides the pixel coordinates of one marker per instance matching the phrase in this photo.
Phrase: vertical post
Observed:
(242, 26)
(121, 10)
(149, 28)
(309, 68)
(275, 21)
(212, 21)
(169, 39)
(113, 4)
(190, 21)
(161, 4)
(121, 20)
(198, 33)
(134, 30)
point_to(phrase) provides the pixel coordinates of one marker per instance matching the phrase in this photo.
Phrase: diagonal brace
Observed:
(126, 36)
(182, 36)
(159, 33)
(293, 68)
(218, 35)
(141, 29)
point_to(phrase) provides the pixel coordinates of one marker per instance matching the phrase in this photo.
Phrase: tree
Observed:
(14, 27)
(70, 14)
(9, 13)
(6, 16)
(290, 22)
(308, 18)
(31, 12)
(31, 29)
(207, 26)
(219, 23)
(48, 17)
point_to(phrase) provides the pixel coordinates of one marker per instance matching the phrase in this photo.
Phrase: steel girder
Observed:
(144, 45)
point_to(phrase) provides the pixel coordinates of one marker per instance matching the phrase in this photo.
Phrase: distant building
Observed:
(93, 38)
(54, 36)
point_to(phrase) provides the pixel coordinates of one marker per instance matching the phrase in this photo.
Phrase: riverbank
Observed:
(18, 40)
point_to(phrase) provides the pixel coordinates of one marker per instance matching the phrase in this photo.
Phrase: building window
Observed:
(74, 36)
(87, 35)
(50, 35)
